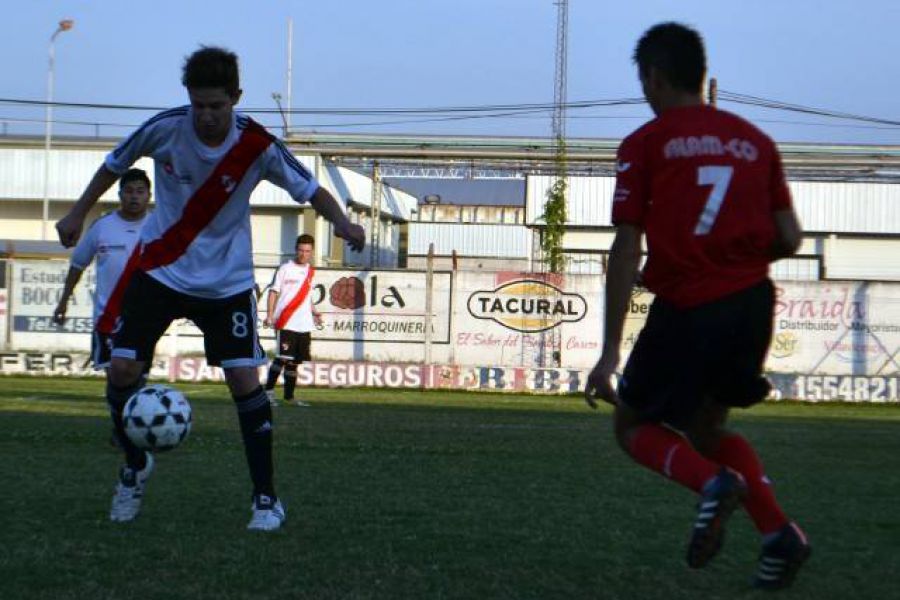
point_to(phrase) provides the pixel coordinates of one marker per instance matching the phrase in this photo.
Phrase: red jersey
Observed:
(703, 183)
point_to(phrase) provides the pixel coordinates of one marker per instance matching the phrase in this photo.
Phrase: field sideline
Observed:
(405, 494)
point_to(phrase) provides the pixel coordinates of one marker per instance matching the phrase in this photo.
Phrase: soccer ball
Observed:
(157, 418)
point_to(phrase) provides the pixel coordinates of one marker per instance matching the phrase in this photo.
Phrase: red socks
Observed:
(735, 452)
(664, 451)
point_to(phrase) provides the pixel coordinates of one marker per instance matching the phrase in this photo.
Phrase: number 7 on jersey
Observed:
(719, 177)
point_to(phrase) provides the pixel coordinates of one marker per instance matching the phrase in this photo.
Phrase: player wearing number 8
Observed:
(707, 189)
(195, 259)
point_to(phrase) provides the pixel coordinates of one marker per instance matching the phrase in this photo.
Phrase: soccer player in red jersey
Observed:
(707, 189)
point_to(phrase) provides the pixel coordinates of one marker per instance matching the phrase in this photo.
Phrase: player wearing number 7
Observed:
(707, 189)
(195, 260)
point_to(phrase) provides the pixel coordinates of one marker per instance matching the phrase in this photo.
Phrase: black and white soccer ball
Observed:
(157, 418)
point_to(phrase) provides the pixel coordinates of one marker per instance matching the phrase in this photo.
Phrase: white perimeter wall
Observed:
(833, 327)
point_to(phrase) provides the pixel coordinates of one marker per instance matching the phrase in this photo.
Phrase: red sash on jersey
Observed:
(208, 200)
(296, 301)
(199, 210)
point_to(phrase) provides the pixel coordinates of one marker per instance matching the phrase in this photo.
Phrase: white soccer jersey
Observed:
(288, 280)
(208, 251)
(111, 239)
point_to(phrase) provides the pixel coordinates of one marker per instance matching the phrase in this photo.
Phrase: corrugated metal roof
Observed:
(843, 207)
(862, 259)
(22, 178)
(22, 173)
(589, 199)
(470, 239)
(847, 207)
(795, 269)
(465, 192)
(349, 186)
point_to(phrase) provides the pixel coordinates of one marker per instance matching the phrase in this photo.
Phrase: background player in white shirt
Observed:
(110, 240)
(196, 258)
(291, 312)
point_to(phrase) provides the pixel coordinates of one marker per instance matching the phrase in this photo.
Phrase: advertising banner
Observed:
(63, 364)
(381, 306)
(526, 319)
(836, 327)
(4, 317)
(368, 315)
(349, 374)
(35, 288)
(507, 319)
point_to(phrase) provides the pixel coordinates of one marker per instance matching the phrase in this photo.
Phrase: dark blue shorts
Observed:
(101, 347)
(686, 357)
(293, 346)
(230, 336)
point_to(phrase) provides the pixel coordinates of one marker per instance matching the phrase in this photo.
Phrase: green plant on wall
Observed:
(555, 218)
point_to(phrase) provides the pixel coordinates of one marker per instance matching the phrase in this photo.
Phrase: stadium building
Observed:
(276, 219)
(476, 203)
(479, 201)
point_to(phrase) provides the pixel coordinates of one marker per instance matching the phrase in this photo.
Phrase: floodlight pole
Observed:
(277, 98)
(64, 25)
(290, 72)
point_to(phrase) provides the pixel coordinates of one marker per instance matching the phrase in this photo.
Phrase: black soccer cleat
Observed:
(720, 498)
(781, 558)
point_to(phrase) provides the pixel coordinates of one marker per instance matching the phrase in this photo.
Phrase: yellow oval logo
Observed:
(527, 305)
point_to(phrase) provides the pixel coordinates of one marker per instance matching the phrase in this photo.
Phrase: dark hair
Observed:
(305, 239)
(134, 175)
(212, 67)
(677, 51)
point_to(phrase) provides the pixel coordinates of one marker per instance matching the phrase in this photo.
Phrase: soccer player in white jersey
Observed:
(195, 258)
(110, 240)
(292, 314)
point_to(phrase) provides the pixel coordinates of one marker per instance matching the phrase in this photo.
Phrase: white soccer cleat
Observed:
(268, 513)
(126, 501)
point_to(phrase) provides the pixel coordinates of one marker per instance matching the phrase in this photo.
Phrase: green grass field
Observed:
(425, 495)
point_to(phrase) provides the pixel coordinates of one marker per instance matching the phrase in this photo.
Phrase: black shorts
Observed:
(293, 345)
(101, 349)
(685, 357)
(228, 324)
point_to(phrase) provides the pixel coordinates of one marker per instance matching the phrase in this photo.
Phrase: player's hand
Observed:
(599, 384)
(354, 234)
(267, 323)
(59, 314)
(69, 229)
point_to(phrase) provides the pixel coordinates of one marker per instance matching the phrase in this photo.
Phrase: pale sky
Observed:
(840, 56)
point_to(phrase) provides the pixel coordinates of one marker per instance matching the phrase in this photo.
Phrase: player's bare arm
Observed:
(325, 204)
(72, 279)
(624, 259)
(69, 227)
(788, 233)
(271, 301)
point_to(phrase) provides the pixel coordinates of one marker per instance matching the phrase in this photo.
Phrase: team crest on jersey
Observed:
(228, 183)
